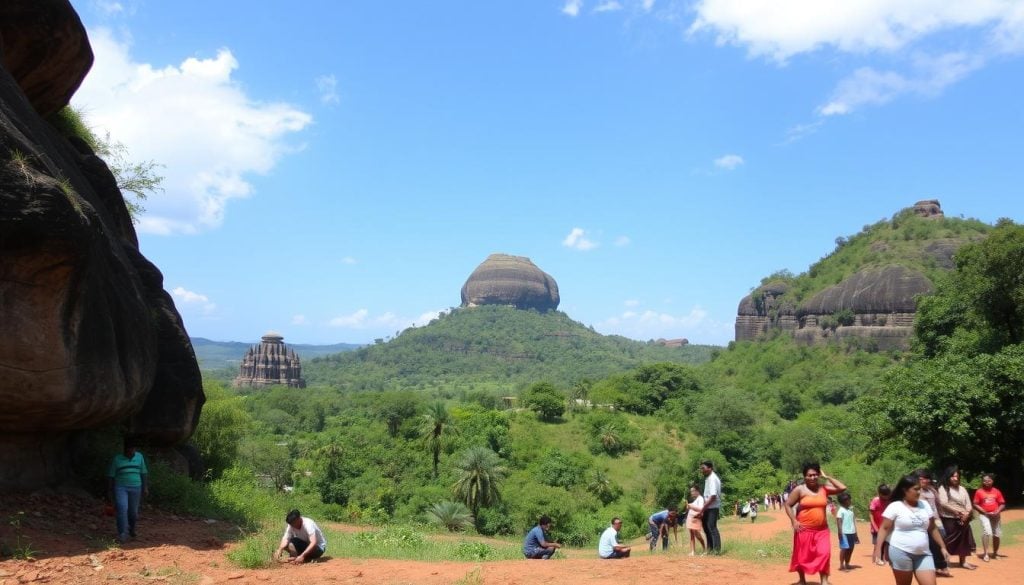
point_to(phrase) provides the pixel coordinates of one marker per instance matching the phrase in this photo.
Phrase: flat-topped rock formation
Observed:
(270, 363)
(91, 338)
(510, 280)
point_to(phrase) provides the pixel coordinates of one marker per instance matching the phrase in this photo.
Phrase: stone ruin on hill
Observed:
(270, 363)
(91, 338)
(878, 302)
(510, 280)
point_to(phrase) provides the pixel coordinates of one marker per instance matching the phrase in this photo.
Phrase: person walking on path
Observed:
(303, 540)
(812, 549)
(908, 524)
(931, 497)
(989, 503)
(127, 483)
(536, 545)
(955, 511)
(712, 504)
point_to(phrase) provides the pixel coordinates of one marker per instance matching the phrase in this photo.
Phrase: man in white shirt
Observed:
(609, 547)
(302, 540)
(712, 503)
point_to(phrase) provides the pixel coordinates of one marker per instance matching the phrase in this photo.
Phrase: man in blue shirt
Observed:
(537, 545)
(658, 523)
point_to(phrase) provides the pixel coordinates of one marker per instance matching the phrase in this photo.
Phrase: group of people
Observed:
(701, 520)
(915, 527)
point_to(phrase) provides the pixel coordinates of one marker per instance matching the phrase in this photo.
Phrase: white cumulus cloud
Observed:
(729, 161)
(385, 322)
(608, 6)
(697, 325)
(577, 239)
(187, 297)
(192, 118)
(299, 320)
(572, 7)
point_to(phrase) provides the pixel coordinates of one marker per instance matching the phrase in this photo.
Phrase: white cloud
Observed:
(648, 5)
(729, 161)
(572, 7)
(356, 320)
(800, 131)
(327, 85)
(869, 87)
(577, 239)
(188, 297)
(622, 241)
(387, 321)
(299, 320)
(697, 325)
(348, 260)
(631, 303)
(608, 6)
(108, 7)
(780, 29)
(193, 119)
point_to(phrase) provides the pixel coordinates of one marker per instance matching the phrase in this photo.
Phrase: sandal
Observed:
(985, 558)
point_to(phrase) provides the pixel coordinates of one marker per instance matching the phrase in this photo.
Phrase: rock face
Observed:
(91, 339)
(510, 280)
(929, 208)
(270, 363)
(876, 304)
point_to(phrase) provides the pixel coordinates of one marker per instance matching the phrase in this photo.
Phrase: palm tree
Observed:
(438, 427)
(480, 483)
(454, 516)
(609, 437)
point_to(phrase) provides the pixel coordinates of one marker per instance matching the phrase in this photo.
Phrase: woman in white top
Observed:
(693, 524)
(907, 523)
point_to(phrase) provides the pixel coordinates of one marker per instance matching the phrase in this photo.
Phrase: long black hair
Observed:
(905, 483)
(948, 473)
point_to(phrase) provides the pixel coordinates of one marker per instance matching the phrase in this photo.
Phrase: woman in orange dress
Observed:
(812, 547)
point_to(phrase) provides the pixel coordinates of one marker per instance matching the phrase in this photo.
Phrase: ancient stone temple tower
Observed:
(270, 363)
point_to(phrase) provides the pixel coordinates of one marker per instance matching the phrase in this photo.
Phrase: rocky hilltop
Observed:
(510, 280)
(91, 338)
(866, 289)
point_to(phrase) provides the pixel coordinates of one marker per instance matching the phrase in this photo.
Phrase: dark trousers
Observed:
(301, 545)
(940, 561)
(709, 521)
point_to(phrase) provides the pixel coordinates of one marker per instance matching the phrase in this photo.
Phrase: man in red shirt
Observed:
(989, 503)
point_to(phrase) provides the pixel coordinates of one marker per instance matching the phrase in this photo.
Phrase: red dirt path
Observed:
(74, 539)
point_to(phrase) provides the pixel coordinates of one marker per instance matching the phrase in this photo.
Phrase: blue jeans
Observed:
(710, 521)
(126, 505)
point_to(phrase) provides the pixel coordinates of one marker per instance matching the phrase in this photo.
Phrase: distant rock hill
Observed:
(513, 281)
(866, 288)
(219, 355)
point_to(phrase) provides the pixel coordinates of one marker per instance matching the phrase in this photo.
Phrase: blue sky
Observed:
(335, 170)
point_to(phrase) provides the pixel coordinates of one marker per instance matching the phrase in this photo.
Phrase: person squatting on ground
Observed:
(712, 503)
(658, 524)
(989, 503)
(536, 545)
(846, 526)
(127, 482)
(302, 540)
(908, 523)
(931, 497)
(608, 547)
(812, 549)
(955, 511)
(693, 524)
(875, 509)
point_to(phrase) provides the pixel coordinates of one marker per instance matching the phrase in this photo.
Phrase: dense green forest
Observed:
(415, 431)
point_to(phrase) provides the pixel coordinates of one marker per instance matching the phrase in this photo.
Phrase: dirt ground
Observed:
(73, 540)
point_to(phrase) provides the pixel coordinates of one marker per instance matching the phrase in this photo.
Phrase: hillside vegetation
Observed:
(493, 348)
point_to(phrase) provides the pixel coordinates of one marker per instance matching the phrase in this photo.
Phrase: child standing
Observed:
(876, 508)
(846, 525)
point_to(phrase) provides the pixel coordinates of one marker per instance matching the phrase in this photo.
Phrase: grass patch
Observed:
(256, 551)
(778, 548)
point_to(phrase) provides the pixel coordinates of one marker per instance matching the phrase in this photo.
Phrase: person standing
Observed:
(931, 497)
(875, 509)
(846, 526)
(302, 540)
(536, 545)
(127, 482)
(955, 511)
(693, 523)
(907, 523)
(608, 547)
(712, 505)
(989, 503)
(812, 549)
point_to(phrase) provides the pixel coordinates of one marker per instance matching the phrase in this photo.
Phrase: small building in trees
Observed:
(271, 363)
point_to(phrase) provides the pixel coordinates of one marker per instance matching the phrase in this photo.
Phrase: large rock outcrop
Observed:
(510, 280)
(876, 304)
(270, 363)
(91, 338)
